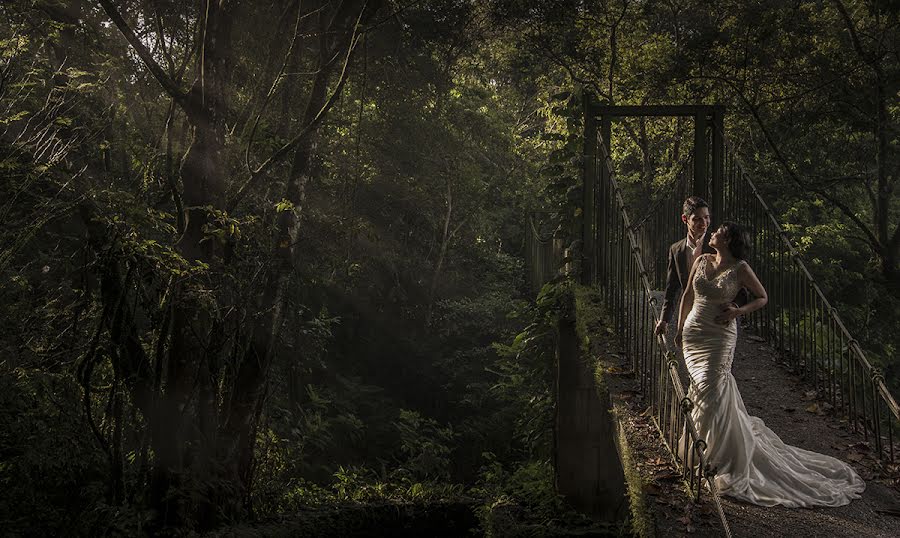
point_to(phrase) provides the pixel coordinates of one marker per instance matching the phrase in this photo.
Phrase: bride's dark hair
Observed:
(738, 239)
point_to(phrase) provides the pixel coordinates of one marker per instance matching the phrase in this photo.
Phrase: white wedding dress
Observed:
(752, 463)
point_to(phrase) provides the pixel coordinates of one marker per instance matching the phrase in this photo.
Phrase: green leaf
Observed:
(284, 205)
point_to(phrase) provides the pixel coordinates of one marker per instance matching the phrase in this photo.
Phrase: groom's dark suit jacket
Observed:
(677, 274)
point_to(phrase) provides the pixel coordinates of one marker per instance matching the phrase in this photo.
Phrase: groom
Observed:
(695, 216)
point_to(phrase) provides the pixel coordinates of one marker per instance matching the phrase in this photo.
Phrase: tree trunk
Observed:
(183, 425)
(884, 196)
(446, 236)
(237, 439)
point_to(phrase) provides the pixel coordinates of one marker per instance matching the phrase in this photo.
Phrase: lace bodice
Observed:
(722, 287)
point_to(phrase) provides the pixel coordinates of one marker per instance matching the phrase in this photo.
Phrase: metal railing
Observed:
(629, 295)
(543, 250)
(802, 324)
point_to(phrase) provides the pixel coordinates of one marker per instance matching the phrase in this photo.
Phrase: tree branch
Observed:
(895, 239)
(161, 35)
(877, 246)
(571, 72)
(272, 88)
(292, 143)
(873, 240)
(854, 37)
(164, 80)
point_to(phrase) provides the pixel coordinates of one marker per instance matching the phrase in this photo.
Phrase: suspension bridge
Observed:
(624, 260)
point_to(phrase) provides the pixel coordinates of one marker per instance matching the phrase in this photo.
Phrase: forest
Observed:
(265, 259)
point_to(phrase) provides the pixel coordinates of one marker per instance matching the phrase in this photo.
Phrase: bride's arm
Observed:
(747, 279)
(687, 300)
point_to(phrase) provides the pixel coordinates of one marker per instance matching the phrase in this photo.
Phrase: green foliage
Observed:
(358, 485)
(52, 477)
(529, 485)
(424, 446)
(526, 372)
(562, 172)
(523, 502)
(590, 315)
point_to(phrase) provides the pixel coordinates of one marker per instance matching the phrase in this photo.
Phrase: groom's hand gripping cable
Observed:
(662, 327)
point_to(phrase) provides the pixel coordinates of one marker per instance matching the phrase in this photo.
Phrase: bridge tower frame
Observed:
(708, 155)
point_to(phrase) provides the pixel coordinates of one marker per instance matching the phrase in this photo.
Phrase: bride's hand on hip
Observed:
(728, 313)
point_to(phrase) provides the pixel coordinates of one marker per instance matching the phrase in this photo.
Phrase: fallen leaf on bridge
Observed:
(756, 338)
(820, 408)
(810, 395)
(855, 456)
(707, 510)
(652, 489)
(666, 476)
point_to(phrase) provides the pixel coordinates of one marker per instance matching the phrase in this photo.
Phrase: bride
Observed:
(752, 463)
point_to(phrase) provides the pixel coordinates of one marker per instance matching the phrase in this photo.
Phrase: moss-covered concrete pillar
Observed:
(588, 469)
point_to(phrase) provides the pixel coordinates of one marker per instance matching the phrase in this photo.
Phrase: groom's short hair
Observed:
(692, 204)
